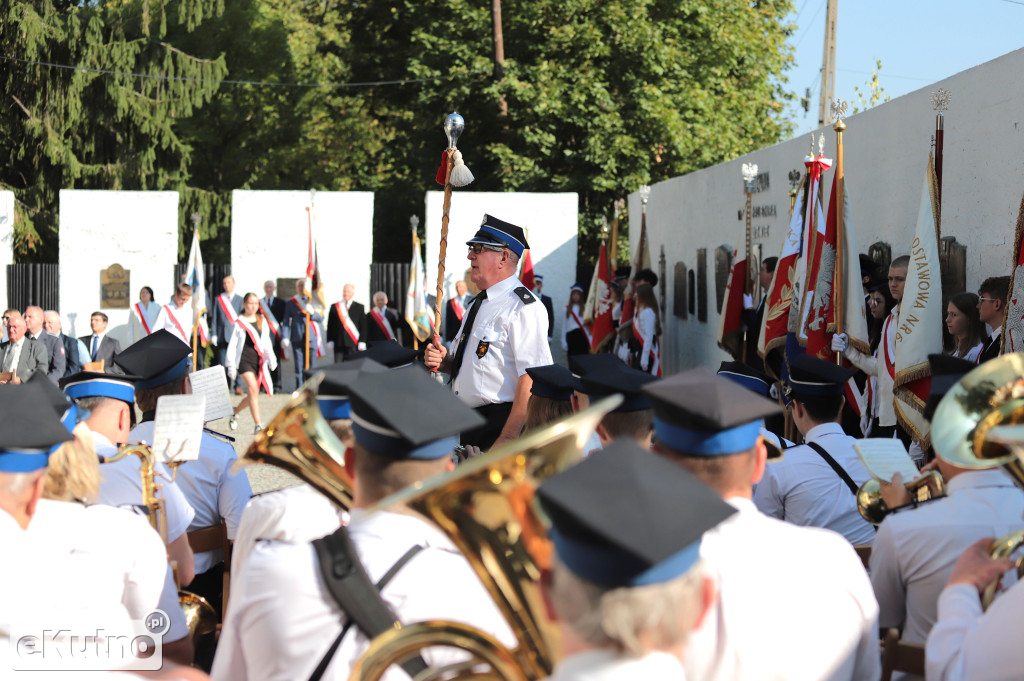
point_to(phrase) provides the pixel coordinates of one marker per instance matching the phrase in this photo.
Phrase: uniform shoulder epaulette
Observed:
(525, 295)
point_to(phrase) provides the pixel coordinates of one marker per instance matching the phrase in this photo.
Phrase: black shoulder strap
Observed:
(357, 596)
(525, 294)
(835, 466)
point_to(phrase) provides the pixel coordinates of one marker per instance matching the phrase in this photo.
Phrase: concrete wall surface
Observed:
(550, 221)
(886, 150)
(269, 239)
(6, 239)
(137, 230)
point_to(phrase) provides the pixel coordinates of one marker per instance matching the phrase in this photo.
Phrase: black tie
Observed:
(461, 350)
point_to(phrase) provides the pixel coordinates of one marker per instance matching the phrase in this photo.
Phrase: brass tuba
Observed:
(976, 426)
(486, 507)
(872, 507)
(300, 440)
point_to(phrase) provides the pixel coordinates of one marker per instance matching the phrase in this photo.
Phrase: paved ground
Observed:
(262, 477)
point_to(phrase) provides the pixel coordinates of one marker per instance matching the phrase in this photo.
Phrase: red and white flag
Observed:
(919, 332)
(730, 321)
(602, 329)
(1013, 325)
(779, 299)
(527, 272)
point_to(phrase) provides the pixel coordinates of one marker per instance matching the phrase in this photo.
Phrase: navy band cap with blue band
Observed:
(497, 232)
(156, 359)
(94, 384)
(816, 377)
(31, 427)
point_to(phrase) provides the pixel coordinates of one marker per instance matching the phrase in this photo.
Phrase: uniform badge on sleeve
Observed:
(481, 348)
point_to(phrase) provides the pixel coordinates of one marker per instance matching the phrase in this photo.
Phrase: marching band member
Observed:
(803, 608)
(250, 355)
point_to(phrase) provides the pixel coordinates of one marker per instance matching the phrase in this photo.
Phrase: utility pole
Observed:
(828, 63)
(499, 53)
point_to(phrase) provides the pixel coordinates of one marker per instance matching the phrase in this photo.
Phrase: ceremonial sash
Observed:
(655, 366)
(458, 307)
(225, 307)
(572, 311)
(265, 379)
(346, 323)
(177, 324)
(377, 317)
(312, 325)
(890, 362)
(142, 318)
(269, 316)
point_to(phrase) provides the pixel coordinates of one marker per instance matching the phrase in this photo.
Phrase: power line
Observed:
(228, 81)
(889, 75)
(809, 24)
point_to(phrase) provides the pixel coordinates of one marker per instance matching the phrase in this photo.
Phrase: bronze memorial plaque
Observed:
(115, 287)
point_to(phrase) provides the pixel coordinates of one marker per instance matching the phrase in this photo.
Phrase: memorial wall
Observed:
(6, 239)
(697, 219)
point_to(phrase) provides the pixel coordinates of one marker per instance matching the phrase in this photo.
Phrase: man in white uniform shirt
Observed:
(109, 399)
(804, 608)
(287, 623)
(627, 583)
(503, 333)
(816, 483)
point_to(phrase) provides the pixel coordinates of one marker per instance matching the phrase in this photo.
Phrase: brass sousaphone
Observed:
(486, 507)
(974, 427)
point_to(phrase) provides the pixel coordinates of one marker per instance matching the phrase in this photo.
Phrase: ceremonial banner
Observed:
(919, 332)
(1013, 323)
(779, 298)
(313, 287)
(816, 248)
(196, 278)
(527, 271)
(416, 312)
(602, 329)
(730, 321)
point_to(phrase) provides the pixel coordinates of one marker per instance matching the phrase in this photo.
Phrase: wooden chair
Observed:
(210, 539)
(899, 656)
(864, 553)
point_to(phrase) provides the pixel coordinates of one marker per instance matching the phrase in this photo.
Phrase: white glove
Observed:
(565, 346)
(309, 309)
(644, 363)
(361, 346)
(748, 301)
(213, 339)
(232, 373)
(286, 344)
(623, 353)
(840, 342)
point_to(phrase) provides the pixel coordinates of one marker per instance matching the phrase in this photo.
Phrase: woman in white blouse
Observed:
(143, 317)
(575, 339)
(965, 325)
(251, 356)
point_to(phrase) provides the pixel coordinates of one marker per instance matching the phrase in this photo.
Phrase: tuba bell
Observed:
(872, 507)
(486, 507)
(978, 426)
(300, 440)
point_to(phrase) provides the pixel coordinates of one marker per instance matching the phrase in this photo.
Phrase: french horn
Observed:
(978, 426)
(300, 441)
(486, 507)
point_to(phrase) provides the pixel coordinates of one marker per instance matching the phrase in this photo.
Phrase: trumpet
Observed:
(978, 426)
(486, 507)
(872, 507)
(300, 440)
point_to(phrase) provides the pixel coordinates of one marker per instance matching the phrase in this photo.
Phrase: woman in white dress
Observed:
(143, 317)
(251, 356)
(965, 325)
(575, 339)
(646, 331)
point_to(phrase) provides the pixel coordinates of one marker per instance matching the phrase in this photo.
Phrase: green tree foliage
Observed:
(873, 94)
(99, 126)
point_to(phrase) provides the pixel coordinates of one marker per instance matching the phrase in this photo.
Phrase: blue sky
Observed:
(918, 41)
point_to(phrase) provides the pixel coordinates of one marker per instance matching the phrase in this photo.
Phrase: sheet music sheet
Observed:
(178, 429)
(212, 383)
(884, 457)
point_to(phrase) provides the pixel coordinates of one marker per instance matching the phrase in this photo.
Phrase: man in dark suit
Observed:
(293, 330)
(55, 356)
(455, 310)
(383, 322)
(992, 296)
(752, 316)
(346, 325)
(99, 345)
(20, 354)
(226, 307)
(52, 324)
(275, 306)
(546, 300)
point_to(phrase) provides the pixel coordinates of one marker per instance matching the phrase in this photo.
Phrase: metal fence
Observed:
(393, 279)
(33, 284)
(214, 274)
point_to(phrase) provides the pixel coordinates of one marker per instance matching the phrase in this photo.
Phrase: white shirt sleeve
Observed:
(767, 495)
(179, 512)
(234, 495)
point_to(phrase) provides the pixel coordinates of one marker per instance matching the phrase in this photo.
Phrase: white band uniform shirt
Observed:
(286, 619)
(803, 611)
(209, 488)
(511, 334)
(804, 490)
(607, 665)
(126, 544)
(121, 485)
(967, 644)
(915, 549)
